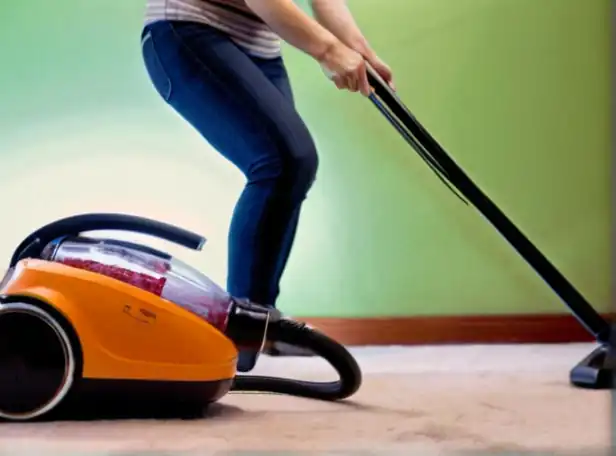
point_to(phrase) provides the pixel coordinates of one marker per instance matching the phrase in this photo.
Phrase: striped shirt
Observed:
(232, 17)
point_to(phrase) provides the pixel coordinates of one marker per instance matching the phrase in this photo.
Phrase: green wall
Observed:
(516, 90)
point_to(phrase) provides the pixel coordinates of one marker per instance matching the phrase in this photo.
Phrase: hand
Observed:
(346, 67)
(382, 69)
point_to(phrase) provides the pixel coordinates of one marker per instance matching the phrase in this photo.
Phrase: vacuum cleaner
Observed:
(596, 371)
(87, 320)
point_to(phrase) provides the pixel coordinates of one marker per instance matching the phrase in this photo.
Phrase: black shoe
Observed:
(247, 361)
(283, 349)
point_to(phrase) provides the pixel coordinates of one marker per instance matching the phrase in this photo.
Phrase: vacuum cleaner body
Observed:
(128, 317)
(84, 318)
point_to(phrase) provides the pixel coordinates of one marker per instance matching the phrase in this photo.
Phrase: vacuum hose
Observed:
(251, 326)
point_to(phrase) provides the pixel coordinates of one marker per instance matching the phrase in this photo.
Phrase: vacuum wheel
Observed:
(37, 363)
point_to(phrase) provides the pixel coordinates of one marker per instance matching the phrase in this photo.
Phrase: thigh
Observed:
(224, 94)
(275, 70)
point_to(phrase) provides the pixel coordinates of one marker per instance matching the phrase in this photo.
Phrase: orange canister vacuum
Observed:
(85, 318)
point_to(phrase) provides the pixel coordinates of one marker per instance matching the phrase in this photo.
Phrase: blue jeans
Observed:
(243, 107)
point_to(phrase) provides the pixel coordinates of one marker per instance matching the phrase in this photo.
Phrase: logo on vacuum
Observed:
(141, 315)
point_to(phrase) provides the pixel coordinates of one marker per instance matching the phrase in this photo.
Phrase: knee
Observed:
(300, 171)
(292, 172)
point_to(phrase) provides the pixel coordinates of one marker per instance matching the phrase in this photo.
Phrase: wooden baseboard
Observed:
(504, 329)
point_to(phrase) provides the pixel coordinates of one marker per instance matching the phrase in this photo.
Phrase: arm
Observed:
(345, 65)
(294, 26)
(336, 17)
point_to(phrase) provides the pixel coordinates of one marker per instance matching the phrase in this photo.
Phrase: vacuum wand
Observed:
(390, 105)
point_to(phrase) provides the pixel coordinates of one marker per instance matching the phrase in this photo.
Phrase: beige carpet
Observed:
(425, 400)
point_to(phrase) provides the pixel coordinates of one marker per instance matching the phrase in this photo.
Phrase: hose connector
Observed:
(248, 323)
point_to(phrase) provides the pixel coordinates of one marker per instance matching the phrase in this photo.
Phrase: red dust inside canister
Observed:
(149, 270)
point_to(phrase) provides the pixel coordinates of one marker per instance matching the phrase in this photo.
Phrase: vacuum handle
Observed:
(393, 101)
(430, 150)
(378, 83)
(33, 245)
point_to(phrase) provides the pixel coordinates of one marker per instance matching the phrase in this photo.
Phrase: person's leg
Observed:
(275, 70)
(219, 90)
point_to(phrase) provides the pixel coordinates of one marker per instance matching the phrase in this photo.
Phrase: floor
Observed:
(426, 400)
